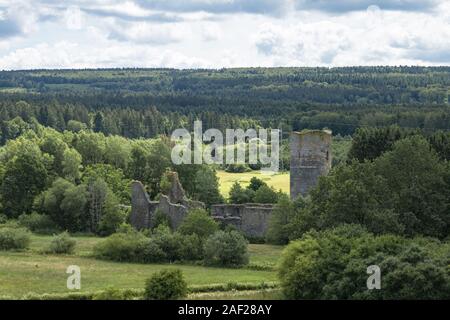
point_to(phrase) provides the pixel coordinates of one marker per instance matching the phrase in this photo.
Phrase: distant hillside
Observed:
(146, 102)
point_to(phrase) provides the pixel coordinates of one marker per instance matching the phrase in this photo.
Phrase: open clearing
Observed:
(278, 180)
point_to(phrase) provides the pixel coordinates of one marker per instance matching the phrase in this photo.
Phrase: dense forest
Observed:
(147, 102)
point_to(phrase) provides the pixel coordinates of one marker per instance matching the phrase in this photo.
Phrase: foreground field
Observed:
(276, 180)
(31, 271)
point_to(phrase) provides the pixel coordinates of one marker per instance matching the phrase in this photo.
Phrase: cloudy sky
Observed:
(222, 33)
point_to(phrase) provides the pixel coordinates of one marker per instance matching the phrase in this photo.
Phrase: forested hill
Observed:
(145, 102)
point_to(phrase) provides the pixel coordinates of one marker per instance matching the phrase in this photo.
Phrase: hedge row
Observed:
(137, 294)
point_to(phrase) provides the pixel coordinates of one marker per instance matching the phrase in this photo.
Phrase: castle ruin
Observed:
(310, 159)
(174, 204)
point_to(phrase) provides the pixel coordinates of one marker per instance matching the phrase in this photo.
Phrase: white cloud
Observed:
(361, 5)
(218, 33)
(73, 18)
(373, 37)
(143, 32)
(210, 31)
(72, 55)
(18, 19)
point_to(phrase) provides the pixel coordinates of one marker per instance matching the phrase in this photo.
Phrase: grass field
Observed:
(276, 180)
(31, 271)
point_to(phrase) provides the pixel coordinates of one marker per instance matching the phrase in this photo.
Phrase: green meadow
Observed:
(31, 271)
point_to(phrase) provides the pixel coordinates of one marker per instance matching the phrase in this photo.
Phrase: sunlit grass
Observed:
(276, 180)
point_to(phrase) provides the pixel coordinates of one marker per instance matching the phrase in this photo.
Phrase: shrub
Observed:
(168, 242)
(166, 285)
(266, 194)
(237, 168)
(191, 247)
(121, 247)
(14, 238)
(162, 245)
(125, 228)
(256, 183)
(114, 294)
(61, 243)
(240, 195)
(226, 249)
(160, 218)
(129, 247)
(198, 222)
(3, 218)
(152, 252)
(39, 223)
(333, 265)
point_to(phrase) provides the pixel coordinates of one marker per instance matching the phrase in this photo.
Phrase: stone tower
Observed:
(310, 159)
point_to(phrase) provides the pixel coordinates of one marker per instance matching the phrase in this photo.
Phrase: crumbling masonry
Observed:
(175, 204)
(310, 159)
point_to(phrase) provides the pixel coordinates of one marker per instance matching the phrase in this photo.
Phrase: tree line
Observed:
(146, 102)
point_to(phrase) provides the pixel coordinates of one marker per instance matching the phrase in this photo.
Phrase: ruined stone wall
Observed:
(250, 218)
(175, 211)
(141, 206)
(310, 159)
(143, 209)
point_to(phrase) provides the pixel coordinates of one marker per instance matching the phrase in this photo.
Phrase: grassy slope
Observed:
(30, 271)
(277, 180)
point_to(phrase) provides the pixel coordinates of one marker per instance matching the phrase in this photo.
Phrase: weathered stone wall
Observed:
(141, 206)
(143, 209)
(310, 159)
(175, 211)
(250, 218)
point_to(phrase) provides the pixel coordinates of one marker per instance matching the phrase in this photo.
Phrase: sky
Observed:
(222, 33)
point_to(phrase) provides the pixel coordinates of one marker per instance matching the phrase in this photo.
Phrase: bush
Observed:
(125, 228)
(61, 243)
(198, 222)
(226, 249)
(166, 285)
(121, 247)
(3, 218)
(152, 252)
(265, 194)
(160, 218)
(333, 265)
(256, 183)
(190, 247)
(129, 247)
(161, 246)
(240, 195)
(237, 168)
(39, 223)
(114, 294)
(14, 238)
(168, 242)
